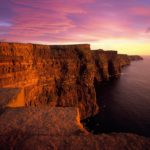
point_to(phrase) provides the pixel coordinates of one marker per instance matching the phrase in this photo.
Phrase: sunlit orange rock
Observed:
(58, 128)
(57, 75)
(50, 75)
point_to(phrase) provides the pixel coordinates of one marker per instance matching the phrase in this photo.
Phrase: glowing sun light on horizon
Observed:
(126, 46)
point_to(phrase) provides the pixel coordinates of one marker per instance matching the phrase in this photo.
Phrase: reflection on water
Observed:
(125, 102)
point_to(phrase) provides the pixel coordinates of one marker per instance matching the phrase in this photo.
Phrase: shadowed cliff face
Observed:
(108, 64)
(57, 75)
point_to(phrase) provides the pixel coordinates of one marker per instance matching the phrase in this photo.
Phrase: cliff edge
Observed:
(58, 128)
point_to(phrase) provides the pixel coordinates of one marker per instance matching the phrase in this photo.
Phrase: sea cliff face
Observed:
(108, 64)
(57, 75)
(50, 75)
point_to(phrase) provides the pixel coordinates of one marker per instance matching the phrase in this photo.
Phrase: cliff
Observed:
(50, 75)
(56, 75)
(135, 57)
(36, 78)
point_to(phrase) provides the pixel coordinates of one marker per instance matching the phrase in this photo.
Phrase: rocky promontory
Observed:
(58, 128)
(135, 57)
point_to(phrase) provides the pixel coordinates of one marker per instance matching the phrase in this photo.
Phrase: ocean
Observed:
(125, 102)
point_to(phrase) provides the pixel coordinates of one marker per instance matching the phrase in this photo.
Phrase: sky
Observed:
(122, 25)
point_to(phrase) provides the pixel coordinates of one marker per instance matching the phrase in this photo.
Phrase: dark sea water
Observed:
(125, 102)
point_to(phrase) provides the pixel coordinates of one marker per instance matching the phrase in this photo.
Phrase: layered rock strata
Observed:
(50, 75)
(57, 75)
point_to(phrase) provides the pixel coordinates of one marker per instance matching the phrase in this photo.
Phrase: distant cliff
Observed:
(135, 57)
(56, 75)
(108, 64)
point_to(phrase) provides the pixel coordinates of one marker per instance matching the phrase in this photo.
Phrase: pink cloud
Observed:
(74, 20)
(46, 17)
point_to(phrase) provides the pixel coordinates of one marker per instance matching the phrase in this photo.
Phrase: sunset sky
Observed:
(122, 25)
